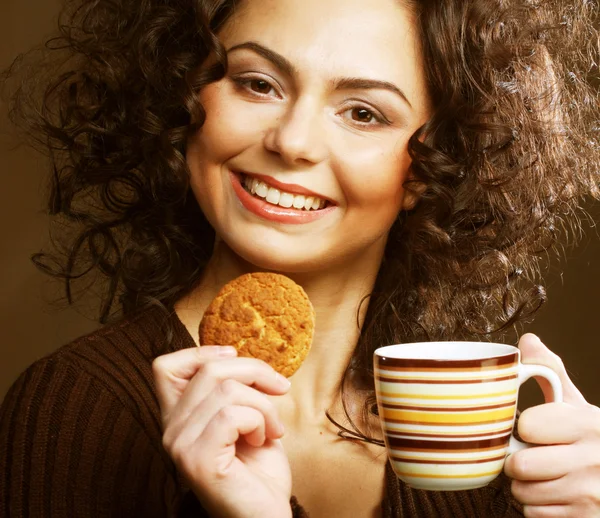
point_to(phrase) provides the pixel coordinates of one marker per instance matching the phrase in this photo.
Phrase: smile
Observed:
(274, 204)
(281, 198)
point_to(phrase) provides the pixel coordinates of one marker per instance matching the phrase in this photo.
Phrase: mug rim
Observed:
(501, 351)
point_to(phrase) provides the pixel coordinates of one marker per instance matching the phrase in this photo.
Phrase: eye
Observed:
(259, 86)
(255, 85)
(362, 115)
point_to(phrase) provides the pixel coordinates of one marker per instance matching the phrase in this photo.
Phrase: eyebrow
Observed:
(342, 83)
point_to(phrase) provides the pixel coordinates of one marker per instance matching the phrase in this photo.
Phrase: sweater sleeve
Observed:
(69, 447)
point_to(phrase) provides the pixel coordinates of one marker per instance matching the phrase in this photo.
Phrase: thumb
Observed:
(533, 351)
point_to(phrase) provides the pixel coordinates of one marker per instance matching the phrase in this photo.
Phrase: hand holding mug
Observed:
(448, 410)
(561, 477)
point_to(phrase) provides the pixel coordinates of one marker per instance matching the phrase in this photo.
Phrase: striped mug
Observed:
(447, 410)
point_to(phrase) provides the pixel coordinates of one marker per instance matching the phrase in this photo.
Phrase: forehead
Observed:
(374, 39)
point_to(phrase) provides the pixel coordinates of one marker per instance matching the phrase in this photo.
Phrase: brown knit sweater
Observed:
(80, 436)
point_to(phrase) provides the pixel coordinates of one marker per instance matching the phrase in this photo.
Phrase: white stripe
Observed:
(450, 456)
(458, 429)
(449, 402)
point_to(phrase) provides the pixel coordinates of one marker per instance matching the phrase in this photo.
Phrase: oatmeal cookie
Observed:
(263, 315)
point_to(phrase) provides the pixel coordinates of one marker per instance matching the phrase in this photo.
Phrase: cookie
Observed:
(263, 315)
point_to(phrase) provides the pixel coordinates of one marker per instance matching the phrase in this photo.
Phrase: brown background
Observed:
(31, 327)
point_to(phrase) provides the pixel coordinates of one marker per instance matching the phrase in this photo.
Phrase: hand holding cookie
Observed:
(219, 429)
(222, 432)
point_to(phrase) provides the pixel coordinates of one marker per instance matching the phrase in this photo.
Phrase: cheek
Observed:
(207, 150)
(375, 175)
(228, 129)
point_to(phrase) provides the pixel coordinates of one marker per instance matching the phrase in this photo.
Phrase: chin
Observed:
(279, 259)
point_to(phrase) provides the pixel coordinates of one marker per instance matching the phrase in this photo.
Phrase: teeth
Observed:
(261, 189)
(298, 201)
(273, 196)
(286, 200)
(283, 199)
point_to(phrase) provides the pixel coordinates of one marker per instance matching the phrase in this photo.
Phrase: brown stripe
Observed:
(424, 461)
(429, 423)
(448, 408)
(444, 381)
(416, 363)
(450, 369)
(401, 443)
(443, 450)
(449, 435)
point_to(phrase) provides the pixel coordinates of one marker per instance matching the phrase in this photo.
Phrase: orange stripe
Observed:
(429, 423)
(450, 417)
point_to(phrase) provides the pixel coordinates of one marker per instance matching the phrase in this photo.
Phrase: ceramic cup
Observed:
(448, 409)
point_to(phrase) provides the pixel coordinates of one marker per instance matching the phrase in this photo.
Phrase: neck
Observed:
(340, 298)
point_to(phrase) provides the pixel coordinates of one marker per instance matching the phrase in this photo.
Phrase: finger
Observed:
(549, 511)
(220, 435)
(557, 423)
(227, 393)
(173, 371)
(534, 351)
(544, 462)
(249, 371)
(549, 492)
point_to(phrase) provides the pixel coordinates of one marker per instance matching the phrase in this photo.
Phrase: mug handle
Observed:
(527, 371)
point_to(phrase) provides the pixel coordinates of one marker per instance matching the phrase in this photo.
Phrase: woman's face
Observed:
(301, 162)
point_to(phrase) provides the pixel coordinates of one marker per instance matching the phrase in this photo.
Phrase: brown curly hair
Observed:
(509, 153)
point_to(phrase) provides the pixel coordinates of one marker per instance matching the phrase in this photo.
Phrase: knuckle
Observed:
(590, 493)
(226, 415)
(167, 440)
(519, 466)
(228, 388)
(560, 364)
(516, 489)
(526, 427)
(530, 511)
(595, 420)
(209, 370)
(172, 446)
(157, 365)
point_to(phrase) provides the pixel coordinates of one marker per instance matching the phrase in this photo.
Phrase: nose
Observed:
(298, 136)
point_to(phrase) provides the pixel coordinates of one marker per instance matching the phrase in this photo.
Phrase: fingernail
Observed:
(281, 429)
(227, 350)
(220, 350)
(283, 380)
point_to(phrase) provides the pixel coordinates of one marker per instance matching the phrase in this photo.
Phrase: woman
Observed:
(443, 145)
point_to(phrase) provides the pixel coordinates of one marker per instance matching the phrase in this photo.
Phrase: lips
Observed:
(273, 211)
(285, 199)
(285, 187)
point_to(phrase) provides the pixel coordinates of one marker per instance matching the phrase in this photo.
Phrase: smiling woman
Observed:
(321, 112)
(406, 162)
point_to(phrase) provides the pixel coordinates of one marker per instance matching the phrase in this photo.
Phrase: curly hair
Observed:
(502, 166)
